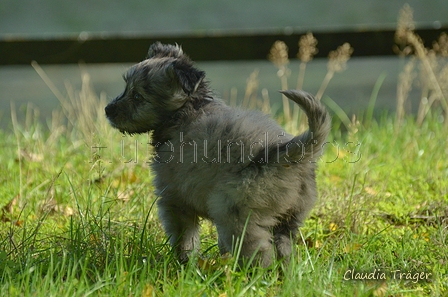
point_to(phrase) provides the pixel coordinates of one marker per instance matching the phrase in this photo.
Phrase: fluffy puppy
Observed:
(237, 168)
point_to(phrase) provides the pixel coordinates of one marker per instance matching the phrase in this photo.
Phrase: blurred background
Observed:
(351, 89)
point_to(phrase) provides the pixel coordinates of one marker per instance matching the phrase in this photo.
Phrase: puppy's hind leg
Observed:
(244, 237)
(284, 235)
(182, 227)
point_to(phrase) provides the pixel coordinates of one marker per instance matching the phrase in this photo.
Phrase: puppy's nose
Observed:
(110, 110)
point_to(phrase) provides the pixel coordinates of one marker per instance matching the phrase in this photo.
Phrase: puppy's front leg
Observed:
(181, 224)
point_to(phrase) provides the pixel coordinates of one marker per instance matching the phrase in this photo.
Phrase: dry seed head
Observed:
(338, 59)
(307, 47)
(279, 54)
(405, 24)
(441, 46)
(354, 126)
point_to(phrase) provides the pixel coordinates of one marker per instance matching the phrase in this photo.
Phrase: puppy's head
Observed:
(156, 89)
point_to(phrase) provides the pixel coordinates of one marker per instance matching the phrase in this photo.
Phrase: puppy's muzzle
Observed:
(111, 110)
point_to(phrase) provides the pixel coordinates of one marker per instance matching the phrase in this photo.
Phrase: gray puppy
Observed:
(236, 167)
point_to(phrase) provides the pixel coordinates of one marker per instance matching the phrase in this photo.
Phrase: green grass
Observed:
(76, 220)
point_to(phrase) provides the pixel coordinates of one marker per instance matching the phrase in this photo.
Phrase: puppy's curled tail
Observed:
(309, 145)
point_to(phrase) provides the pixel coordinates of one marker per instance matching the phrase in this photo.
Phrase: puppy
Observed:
(237, 168)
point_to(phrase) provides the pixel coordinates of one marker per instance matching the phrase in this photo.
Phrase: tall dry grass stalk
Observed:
(19, 147)
(250, 95)
(279, 56)
(233, 96)
(82, 121)
(251, 99)
(82, 110)
(337, 62)
(432, 70)
(404, 87)
(307, 50)
(266, 105)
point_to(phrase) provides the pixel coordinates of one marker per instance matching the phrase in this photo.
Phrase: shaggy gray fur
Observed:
(236, 167)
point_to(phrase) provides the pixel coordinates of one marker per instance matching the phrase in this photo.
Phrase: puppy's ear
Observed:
(160, 50)
(188, 76)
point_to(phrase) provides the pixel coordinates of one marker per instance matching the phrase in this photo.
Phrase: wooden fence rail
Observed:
(109, 48)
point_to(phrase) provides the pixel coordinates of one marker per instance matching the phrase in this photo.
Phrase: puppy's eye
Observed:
(137, 96)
